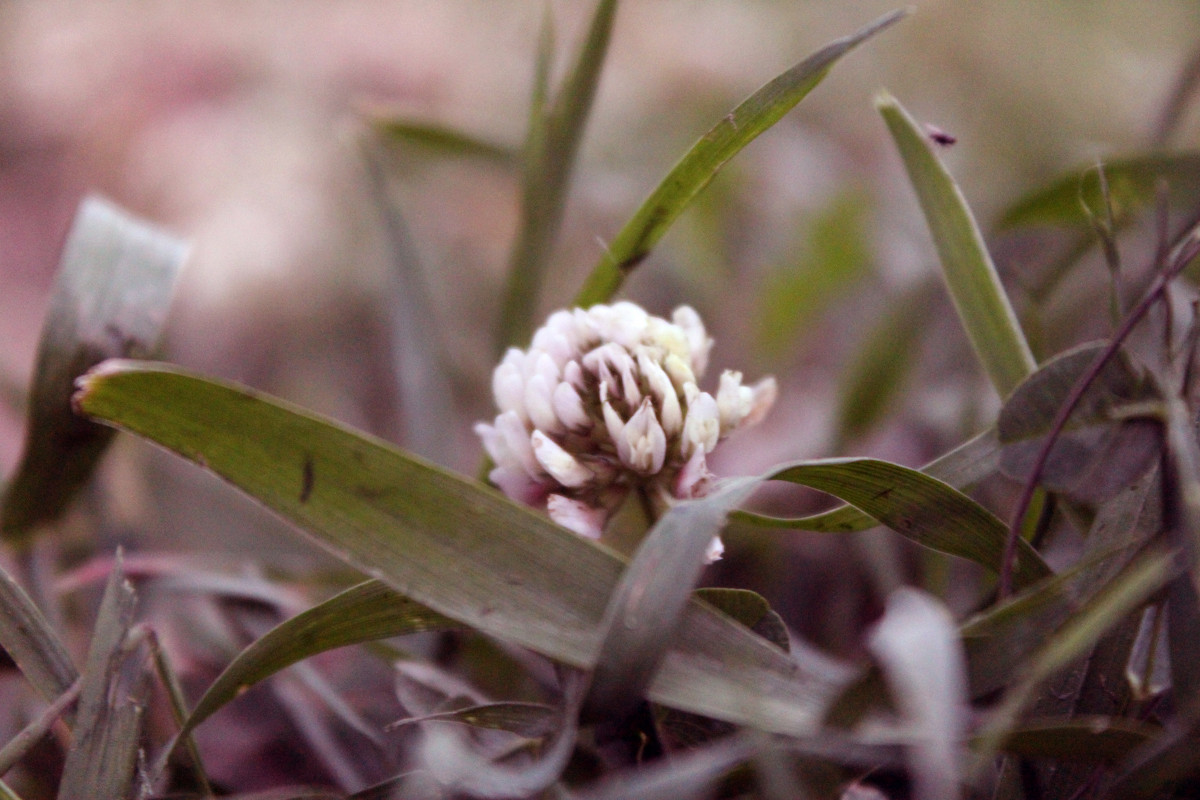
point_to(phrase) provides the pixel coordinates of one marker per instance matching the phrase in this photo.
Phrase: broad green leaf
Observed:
(103, 752)
(1144, 576)
(115, 282)
(362, 613)
(918, 507)
(751, 609)
(974, 286)
(556, 130)
(962, 467)
(1132, 185)
(440, 139)
(702, 163)
(27, 637)
(834, 256)
(652, 595)
(450, 544)
(1098, 452)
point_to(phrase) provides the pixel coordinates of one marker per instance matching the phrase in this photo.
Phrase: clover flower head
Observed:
(607, 400)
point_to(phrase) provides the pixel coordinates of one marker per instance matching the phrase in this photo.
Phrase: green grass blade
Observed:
(921, 508)
(439, 139)
(550, 156)
(970, 275)
(702, 163)
(362, 613)
(30, 641)
(451, 544)
(115, 282)
(962, 468)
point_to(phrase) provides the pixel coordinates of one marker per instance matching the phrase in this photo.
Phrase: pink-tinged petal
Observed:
(702, 427)
(569, 407)
(647, 441)
(508, 382)
(539, 404)
(680, 371)
(670, 413)
(560, 464)
(694, 480)
(516, 439)
(699, 343)
(763, 397)
(733, 400)
(573, 374)
(716, 549)
(616, 432)
(516, 483)
(493, 442)
(576, 516)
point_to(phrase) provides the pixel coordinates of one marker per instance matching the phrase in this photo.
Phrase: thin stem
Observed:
(20, 744)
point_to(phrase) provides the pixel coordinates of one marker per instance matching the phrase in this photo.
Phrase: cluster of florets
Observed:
(606, 400)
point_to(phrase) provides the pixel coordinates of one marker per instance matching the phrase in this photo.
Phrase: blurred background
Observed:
(359, 275)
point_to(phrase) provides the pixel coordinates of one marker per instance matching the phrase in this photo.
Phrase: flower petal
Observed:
(577, 516)
(569, 407)
(702, 427)
(561, 465)
(716, 549)
(647, 442)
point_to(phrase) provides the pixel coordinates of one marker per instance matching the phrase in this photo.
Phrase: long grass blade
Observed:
(706, 158)
(982, 306)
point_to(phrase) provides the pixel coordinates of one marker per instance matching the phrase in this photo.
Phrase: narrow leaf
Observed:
(652, 594)
(554, 139)
(448, 543)
(1109, 740)
(531, 720)
(362, 613)
(970, 275)
(30, 641)
(918, 507)
(101, 759)
(706, 158)
(440, 139)
(962, 468)
(115, 282)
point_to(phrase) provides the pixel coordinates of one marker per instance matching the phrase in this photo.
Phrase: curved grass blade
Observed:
(701, 164)
(1108, 740)
(450, 544)
(970, 275)
(918, 507)
(1132, 185)
(366, 612)
(27, 637)
(553, 142)
(115, 282)
(531, 720)
(962, 467)
(646, 605)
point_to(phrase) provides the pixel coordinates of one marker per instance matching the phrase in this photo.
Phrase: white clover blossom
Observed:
(606, 400)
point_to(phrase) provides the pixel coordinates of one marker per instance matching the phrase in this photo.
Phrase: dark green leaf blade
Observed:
(115, 282)
(366, 612)
(450, 544)
(700, 165)
(919, 507)
(440, 139)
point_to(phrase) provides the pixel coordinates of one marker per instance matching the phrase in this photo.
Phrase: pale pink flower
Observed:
(606, 400)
